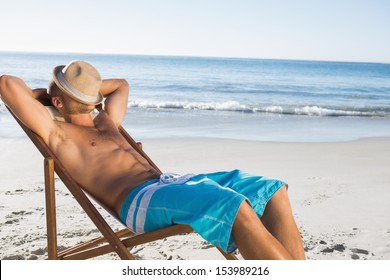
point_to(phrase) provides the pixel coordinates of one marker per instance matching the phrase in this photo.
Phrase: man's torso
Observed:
(101, 160)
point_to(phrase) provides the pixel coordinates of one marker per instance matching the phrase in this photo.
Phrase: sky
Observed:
(342, 30)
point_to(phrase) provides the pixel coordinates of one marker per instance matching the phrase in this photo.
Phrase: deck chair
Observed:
(121, 241)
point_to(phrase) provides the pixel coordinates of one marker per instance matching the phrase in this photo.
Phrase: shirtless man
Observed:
(108, 168)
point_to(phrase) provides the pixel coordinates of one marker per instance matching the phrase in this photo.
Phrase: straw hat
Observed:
(79, 80)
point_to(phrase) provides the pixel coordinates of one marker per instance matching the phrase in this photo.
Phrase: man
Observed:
(224, 207)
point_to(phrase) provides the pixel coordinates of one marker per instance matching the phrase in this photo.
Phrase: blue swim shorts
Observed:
(207, 202)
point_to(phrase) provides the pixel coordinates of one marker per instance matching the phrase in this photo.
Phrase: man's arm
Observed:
(20, 99)
(116, 92)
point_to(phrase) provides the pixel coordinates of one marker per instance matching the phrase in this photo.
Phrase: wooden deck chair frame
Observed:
(121, 241)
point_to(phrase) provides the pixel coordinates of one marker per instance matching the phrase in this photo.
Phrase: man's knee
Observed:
(279, 204)
(280, 195)
(246, 214)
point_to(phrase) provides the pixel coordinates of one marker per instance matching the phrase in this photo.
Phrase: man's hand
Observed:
(41, 95)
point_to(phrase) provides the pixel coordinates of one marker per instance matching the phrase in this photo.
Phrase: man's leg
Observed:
(253, 239)
(279, 221)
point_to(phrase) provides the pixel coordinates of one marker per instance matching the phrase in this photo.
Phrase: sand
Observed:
(340, 195)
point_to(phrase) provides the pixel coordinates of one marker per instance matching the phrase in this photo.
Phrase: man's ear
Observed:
(57, 102)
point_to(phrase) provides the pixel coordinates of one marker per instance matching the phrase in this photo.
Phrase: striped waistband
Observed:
(130, 198)
(135, 196)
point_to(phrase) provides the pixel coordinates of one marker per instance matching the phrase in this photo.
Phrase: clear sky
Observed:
(342, 30)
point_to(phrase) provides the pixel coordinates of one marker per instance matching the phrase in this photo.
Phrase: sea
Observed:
(234, 98)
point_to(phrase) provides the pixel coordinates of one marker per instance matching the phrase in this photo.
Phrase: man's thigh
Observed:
(258, 190)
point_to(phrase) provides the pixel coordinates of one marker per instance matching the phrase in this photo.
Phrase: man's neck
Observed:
(80, 119)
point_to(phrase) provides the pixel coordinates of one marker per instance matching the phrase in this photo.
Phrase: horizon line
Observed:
(189, 56)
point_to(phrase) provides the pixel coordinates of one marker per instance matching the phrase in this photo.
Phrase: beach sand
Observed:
(340, 195)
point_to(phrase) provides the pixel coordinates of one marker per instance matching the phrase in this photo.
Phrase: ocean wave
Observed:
(209, 106)
(319, 111)
(234, 106)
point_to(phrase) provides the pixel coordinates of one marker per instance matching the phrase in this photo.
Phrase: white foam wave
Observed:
(319, 111)
(234, 106)
(274, 109)
(315, 111)
(212, 106)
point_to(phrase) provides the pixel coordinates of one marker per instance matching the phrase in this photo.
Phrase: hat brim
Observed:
(73, 93)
